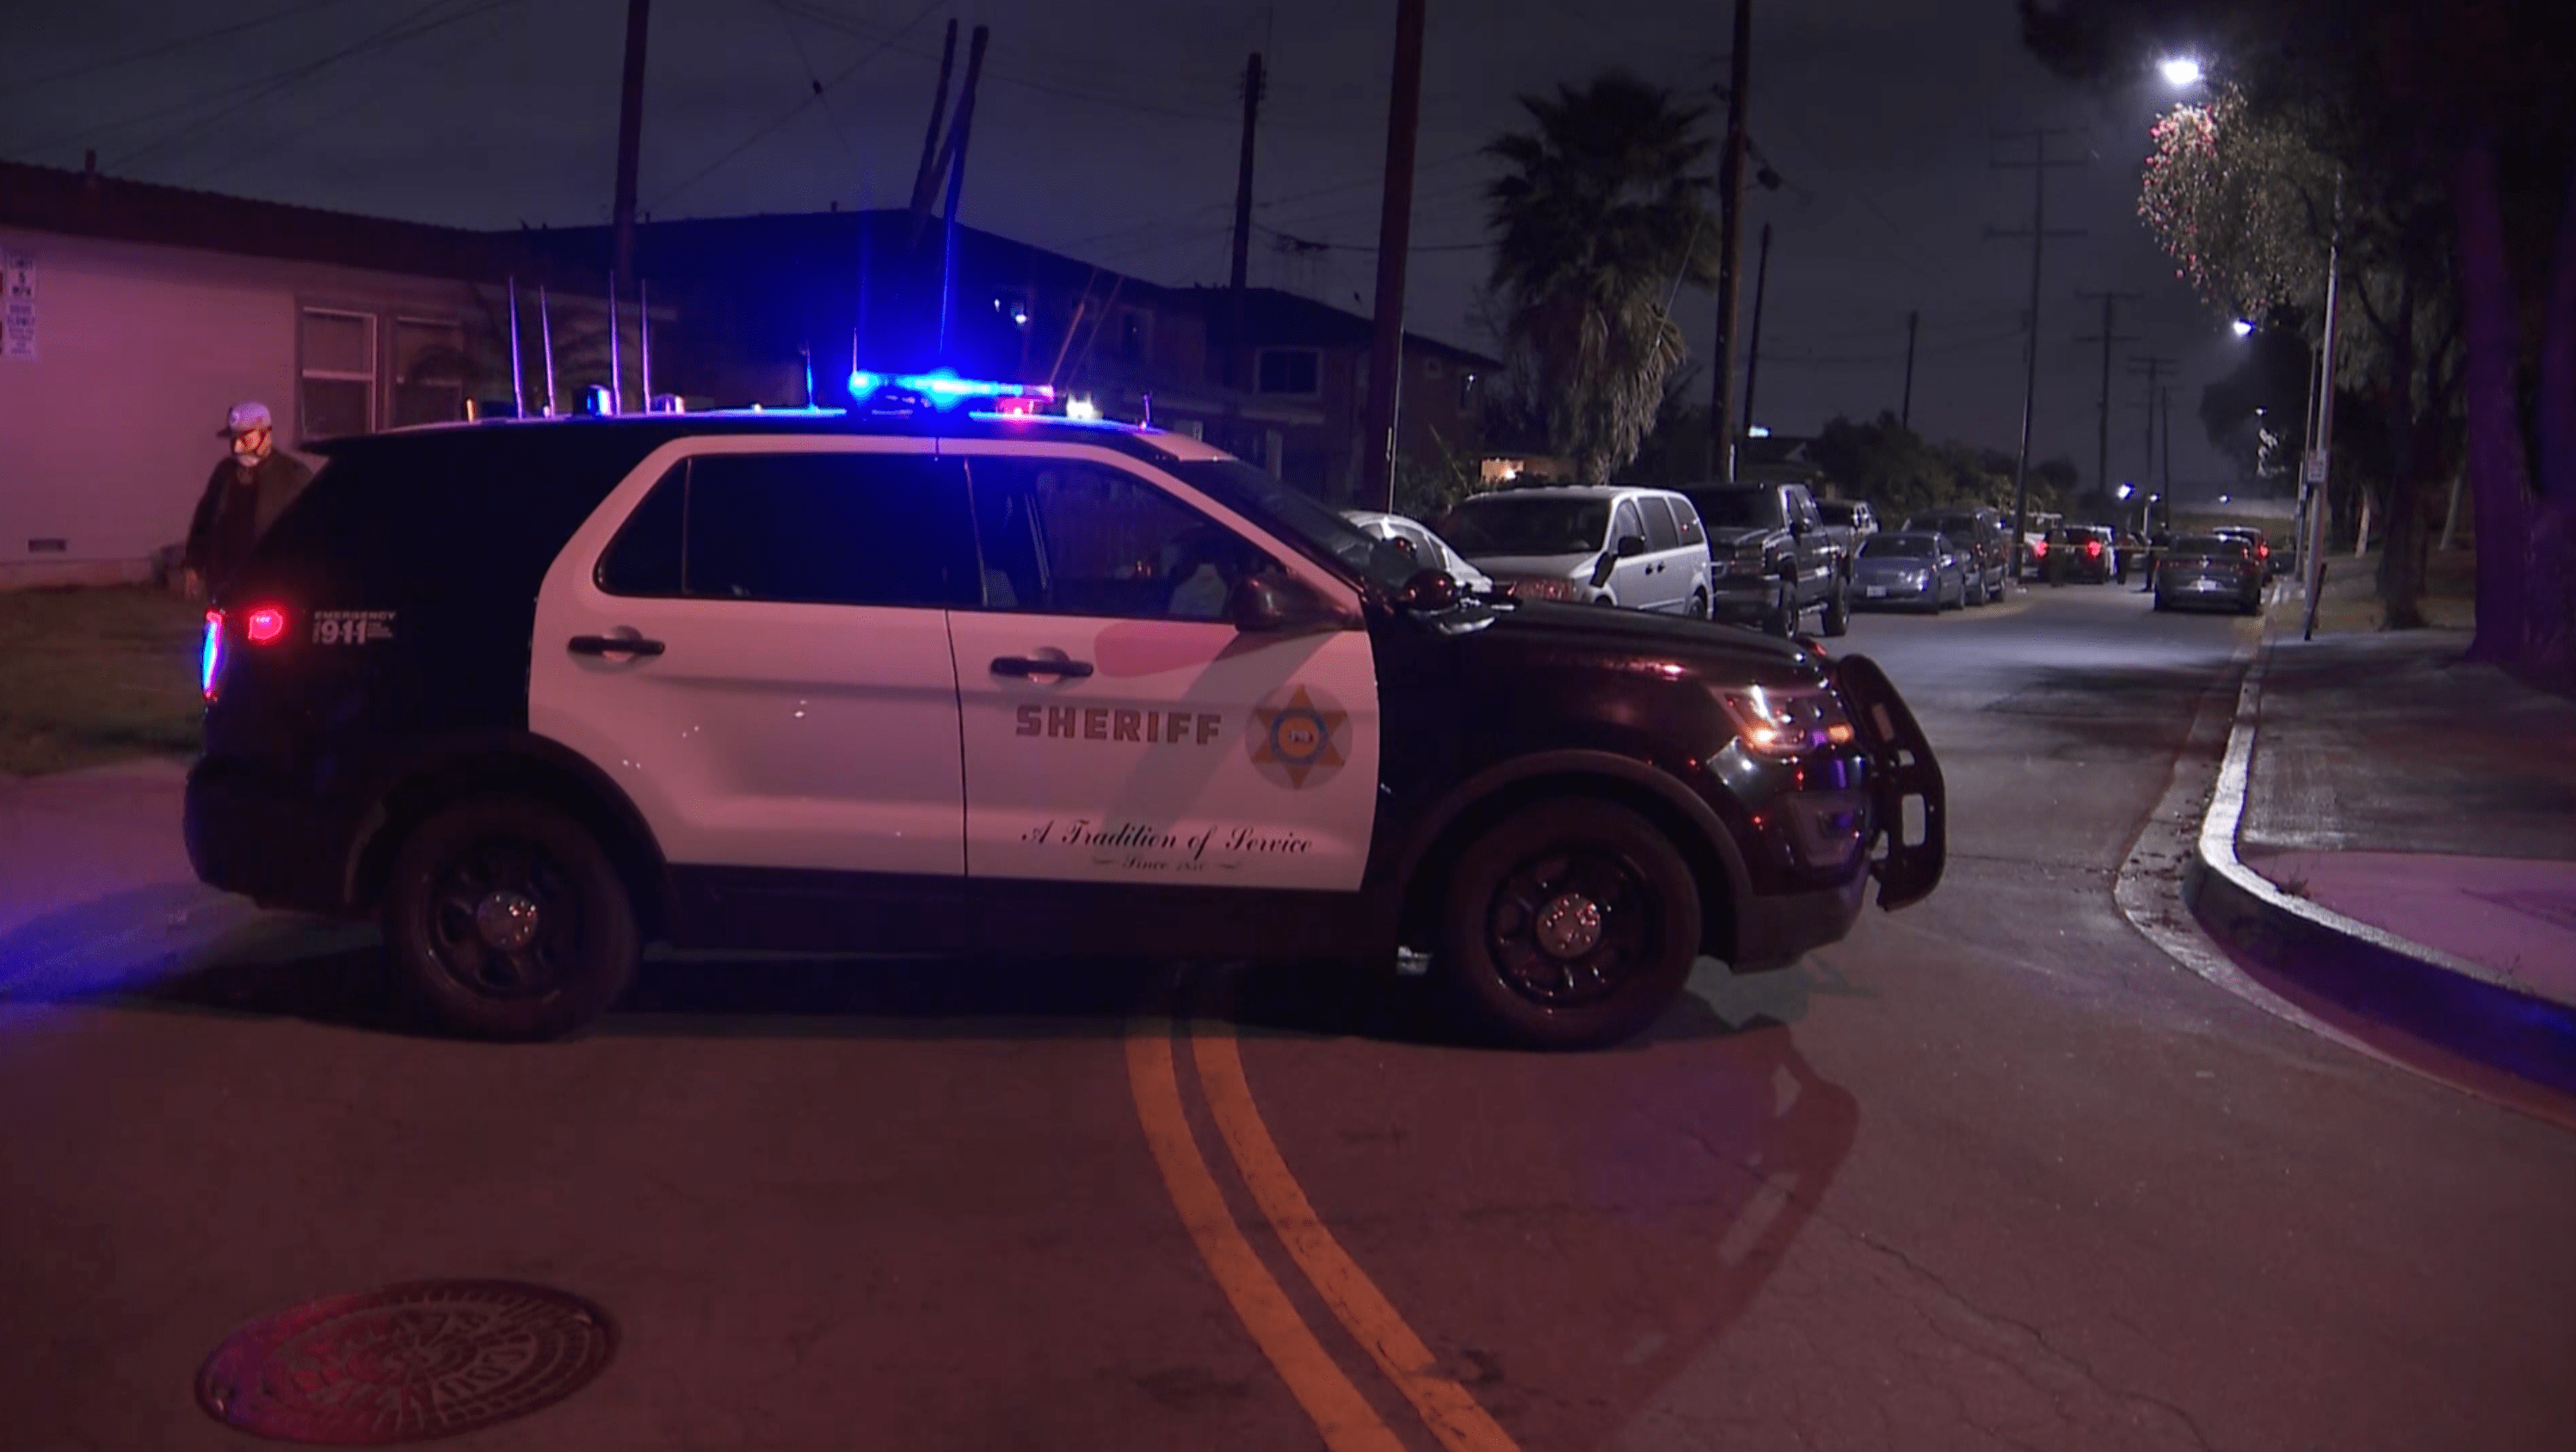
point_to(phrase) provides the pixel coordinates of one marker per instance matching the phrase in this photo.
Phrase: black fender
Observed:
(467, 764)
(1391, 888)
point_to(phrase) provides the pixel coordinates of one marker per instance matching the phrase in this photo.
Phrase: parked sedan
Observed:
(1915, 570)
(1984, 538)
(2273, 561)
(2203, 570)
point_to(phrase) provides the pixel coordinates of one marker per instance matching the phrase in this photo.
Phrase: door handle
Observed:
(1028, 667)
(612, 645)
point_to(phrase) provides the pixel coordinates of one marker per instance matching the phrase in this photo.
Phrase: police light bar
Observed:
(942, 386)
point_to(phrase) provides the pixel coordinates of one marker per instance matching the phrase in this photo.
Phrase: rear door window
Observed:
(815, 529)
(1662, 531)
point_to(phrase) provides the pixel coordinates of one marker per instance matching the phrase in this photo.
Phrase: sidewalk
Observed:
(2428, 807)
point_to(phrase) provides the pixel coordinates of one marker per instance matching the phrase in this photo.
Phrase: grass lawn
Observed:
(94, 675)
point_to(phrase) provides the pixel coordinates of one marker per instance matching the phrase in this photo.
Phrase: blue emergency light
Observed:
(942, 387)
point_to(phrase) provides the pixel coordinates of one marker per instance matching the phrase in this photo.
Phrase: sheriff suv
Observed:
(926, 678)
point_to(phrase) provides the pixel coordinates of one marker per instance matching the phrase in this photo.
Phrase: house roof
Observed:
(86, 204)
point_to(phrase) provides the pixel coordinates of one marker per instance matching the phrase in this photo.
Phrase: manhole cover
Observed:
(406, 1363)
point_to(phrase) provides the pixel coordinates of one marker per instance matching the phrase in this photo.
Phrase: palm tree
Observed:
(1600, 218)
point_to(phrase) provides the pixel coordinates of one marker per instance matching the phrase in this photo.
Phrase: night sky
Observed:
(1109, 131)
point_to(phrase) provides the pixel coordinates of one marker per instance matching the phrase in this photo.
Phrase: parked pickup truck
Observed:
(1771, 557)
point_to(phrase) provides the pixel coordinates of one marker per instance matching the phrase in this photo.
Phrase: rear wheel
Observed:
(1699, 605)
(1570, 924)
(509, 921)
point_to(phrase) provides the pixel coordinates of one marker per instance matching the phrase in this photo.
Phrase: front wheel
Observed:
(508, 920)
(1699, 605)
(1572, 923)
(1838, 611)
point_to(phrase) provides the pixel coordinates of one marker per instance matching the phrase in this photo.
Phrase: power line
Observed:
(410, 28)
(792, 112)
(182, 43)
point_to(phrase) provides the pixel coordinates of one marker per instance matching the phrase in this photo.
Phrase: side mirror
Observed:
(1631, 546)
(1430, 592)
(1280, 604)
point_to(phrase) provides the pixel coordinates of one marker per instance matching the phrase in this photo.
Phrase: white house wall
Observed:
(108, 433)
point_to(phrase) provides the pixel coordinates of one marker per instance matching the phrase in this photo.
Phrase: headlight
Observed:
(1546, 587)
(1784, 721)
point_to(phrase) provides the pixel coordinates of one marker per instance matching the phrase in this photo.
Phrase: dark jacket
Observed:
(236, 510)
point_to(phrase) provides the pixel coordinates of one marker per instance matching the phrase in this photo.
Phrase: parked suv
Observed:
(1773, 559)
(2080, 552)
(1594, 544)
(1987, 537)
(918, 679)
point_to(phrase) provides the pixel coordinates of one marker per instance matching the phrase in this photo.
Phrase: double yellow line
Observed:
(1344, 1417)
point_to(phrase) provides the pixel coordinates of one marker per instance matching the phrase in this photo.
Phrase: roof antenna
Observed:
(644, 335)
(518, 391)
(546, 341)
(616, 369)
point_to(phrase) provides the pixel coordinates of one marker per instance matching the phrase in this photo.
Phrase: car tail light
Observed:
(2039, 549)
(264, 625)
(2093, 549)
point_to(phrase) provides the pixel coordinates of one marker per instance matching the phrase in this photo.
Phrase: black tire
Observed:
(1972, 593)
(1644, 925)
(1838, 611)
(1699, 605)
(1783, 620)
(453, 885)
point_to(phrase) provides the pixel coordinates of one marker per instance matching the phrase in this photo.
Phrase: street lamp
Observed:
(2125, 491)
(2243, 328)
(2180, 72)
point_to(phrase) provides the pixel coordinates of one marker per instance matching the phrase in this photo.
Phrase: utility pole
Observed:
(2153, 369)
(2107, 338)
(2165, 453)
(1905, 411)
(630, 137)
(2318, 467)
(2039, 167)
(1394, 240)
(945, 165)
(1730, 246)
(1255, 81)
(955, 148)
(1753, 354)
(924, 184)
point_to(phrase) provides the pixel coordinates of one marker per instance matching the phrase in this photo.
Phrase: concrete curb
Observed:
(2446, 1001)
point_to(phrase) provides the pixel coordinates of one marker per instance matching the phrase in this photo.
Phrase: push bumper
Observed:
(250, 832)
(1905, 772)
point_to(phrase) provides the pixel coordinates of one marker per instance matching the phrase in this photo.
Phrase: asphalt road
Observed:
(1996, 1172)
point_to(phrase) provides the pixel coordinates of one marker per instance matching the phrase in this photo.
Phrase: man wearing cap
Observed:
(246, 495)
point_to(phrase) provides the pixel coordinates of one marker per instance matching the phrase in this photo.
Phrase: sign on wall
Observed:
(18, 307)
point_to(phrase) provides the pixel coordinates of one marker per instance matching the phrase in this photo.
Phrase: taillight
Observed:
(2262, 552)
(2038, 548)
(2093, 549)
(264, 625)
(210, 658)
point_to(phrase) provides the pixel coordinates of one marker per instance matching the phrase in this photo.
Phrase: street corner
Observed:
(2374, 975)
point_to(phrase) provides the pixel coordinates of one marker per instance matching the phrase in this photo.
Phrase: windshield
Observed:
(1493, 526)
(1738, 508)
(1911, 545)
(1300, 517)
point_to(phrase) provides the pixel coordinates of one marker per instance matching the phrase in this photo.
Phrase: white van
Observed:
(1592, 544)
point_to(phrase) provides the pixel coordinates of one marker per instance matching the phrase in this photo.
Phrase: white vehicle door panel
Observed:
(1192, 754)
(766, 733)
